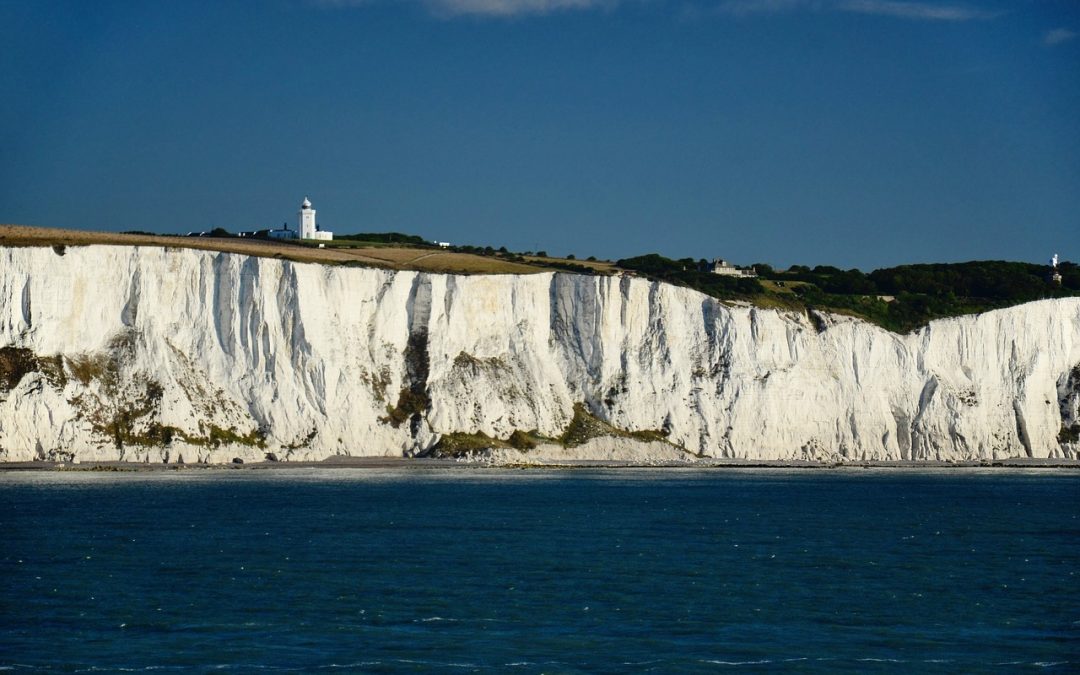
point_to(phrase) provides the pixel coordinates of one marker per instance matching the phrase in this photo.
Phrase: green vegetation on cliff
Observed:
(898, 298)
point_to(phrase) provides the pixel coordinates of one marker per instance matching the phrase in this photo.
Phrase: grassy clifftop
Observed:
(898, 298)
(341, 252)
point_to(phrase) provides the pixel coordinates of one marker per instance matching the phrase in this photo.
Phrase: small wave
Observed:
(737, 663)
(872, 659)
(444, 664)
(760, 662)
(123, 669)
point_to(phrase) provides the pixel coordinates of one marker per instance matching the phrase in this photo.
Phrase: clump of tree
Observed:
(898, 298)
(692, 274)
(994, 280)
(489, 251)
(576, 268)
(826, 277)
(385, 238)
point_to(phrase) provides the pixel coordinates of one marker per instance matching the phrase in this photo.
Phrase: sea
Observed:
(541, 570)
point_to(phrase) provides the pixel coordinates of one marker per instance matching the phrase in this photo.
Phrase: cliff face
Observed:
(161, 354)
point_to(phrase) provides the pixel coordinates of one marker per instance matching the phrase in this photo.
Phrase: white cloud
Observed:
(1057, 36)
(744, 7)
(905, 9)
(923, 11)
(491, 8)
(915, 10)
(334, 4)
(510, 8)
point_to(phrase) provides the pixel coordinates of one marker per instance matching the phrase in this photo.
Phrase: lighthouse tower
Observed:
(307, 220)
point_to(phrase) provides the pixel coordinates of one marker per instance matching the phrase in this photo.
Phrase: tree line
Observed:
(899, 298)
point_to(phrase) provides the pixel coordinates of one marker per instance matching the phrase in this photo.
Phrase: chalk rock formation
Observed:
(160, 354)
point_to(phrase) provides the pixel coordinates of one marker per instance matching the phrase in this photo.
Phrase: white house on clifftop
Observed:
(726, 269)
(308, 229)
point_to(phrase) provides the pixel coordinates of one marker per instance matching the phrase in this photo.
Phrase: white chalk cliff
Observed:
(154, 354)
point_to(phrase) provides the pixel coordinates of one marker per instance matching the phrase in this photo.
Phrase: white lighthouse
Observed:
(307, 220)
(308, 229)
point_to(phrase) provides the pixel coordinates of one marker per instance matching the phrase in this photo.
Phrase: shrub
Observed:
(1069, 434)
(521, 440)
(384, 238)
(14, 364)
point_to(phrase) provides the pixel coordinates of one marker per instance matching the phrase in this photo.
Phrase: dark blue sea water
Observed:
(553, 571)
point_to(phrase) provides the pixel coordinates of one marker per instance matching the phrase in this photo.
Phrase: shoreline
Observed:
(411, 463)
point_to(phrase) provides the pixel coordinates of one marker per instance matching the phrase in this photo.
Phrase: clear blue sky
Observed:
(859, 133)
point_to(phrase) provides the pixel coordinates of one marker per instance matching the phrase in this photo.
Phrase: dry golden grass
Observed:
(449, 262)
(21, 235)
(465, 263)
(600, 266)
(393, 256)
(387, 257)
